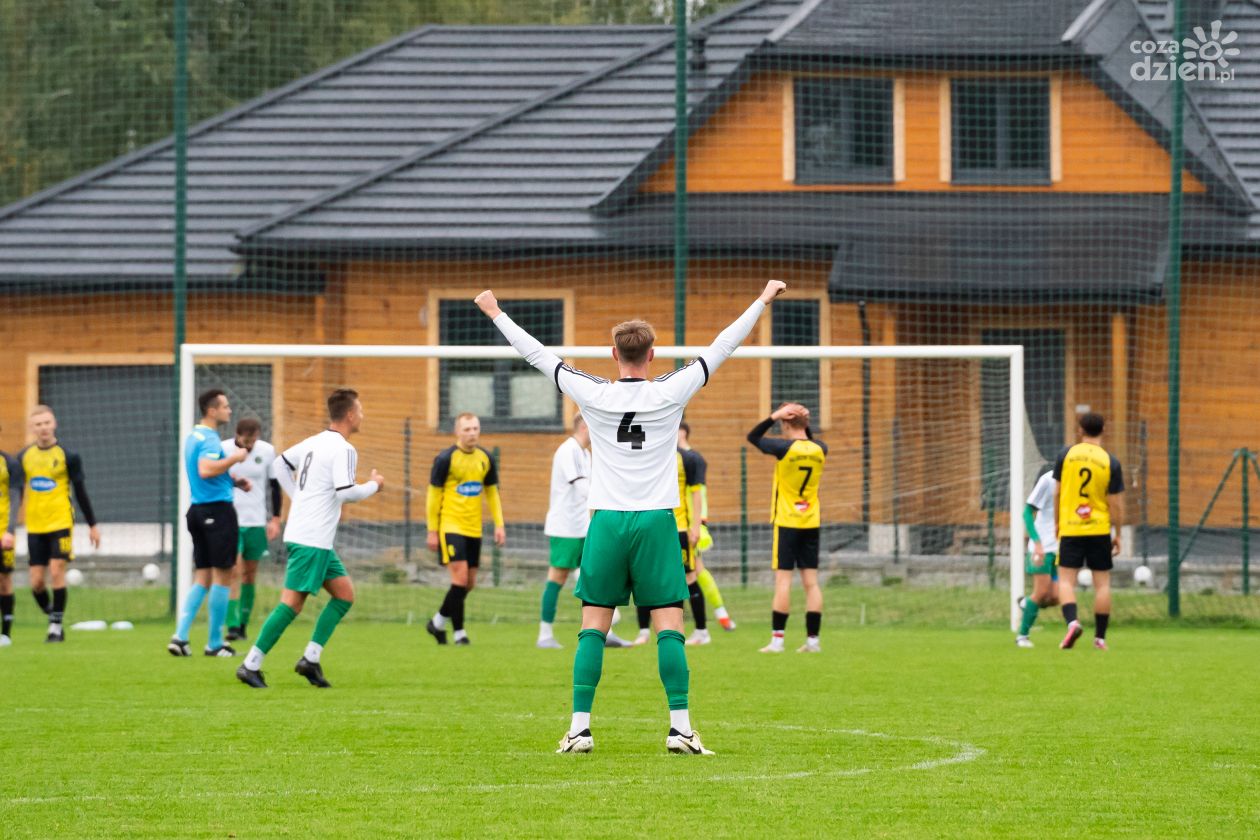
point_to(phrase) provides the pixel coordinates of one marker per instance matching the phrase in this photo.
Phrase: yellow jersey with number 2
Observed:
(1086, 473)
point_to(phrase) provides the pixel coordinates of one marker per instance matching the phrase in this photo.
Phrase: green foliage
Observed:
(83, 81)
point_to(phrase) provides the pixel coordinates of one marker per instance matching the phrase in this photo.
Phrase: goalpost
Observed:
(192, 355)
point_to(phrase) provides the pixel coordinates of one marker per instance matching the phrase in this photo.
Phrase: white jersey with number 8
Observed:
(321, 468)
(633, 422)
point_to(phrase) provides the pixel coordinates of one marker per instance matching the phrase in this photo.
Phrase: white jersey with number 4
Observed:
(321, 470)
(259, 468)
(568, 515)
(1042, 498)
(633, 422)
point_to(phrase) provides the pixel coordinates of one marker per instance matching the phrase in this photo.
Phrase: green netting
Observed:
(917, 172)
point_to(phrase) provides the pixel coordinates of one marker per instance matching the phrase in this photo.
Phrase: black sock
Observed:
(448, 603)
(457, 616)
(813, 623)
(41, 598)
(1069, 612)
(778, 621)
(645, 617)
(697, 606)
(1100, 624)
(58, 610)
(6, 614)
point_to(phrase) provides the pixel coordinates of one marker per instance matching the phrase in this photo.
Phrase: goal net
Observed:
(929, 461)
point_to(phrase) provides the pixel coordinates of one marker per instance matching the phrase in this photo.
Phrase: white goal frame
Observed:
(190, 354)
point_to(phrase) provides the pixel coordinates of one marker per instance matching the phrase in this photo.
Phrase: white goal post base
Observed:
(190, 354)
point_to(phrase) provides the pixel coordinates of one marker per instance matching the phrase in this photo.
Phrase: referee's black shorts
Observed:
(214, 533)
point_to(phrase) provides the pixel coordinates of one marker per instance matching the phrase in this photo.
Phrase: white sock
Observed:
(680, 719)
(581, 722)
(313, 651)
(254, 659)
(645, 632)
(721, 613)
(439, 621)
(545, 630)
(460, 634)
(813, 640)
(53, 627)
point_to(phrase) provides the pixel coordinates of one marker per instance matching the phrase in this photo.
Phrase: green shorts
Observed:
(566, 552)
(1049, 567)
(632, 552)
(310, 567)
(251, 543)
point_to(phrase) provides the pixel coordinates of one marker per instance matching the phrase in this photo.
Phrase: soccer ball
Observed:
(1084, 578)
(150, 572)
(1143, 576)
(74, 577)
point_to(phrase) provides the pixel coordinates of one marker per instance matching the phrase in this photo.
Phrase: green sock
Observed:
(671, 659)
(279, 620)
(1030, 615)
(328, 619)
(588, 664)
(247, 603)
(551, 596)
(234, 613)
(712, 595)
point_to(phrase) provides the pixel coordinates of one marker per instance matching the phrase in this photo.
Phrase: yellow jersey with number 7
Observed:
(1086, 473)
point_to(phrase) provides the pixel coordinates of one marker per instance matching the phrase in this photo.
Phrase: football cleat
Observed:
(615, 641)
(175, 647)
(463, 640)
(236, 634)
(55, 636)
(775, 646)
(438, 635)
(1023, 641)
(810, 646)
(643, 638)
(313, 673)
(681, 744)
(583, 742)
(699, 637)
(251, 678)
(223, 651)
(728, 623)
(1073, 633)
(5, 641)
(1100, 644)
(549, 643)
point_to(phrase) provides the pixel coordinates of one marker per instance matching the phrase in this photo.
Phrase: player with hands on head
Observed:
(632, 545)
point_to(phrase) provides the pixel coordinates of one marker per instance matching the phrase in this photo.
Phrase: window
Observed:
(1001, 131)
(505, 394)
(844, 130)
(796, 323)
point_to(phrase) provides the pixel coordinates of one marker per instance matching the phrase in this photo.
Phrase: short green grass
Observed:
(891, 732)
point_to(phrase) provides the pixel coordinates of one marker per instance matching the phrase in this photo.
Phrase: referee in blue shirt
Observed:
(211, 521)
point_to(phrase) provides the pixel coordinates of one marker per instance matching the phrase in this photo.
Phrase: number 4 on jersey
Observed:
(632, 435)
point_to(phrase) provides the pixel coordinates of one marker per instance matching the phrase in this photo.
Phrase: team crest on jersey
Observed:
(469, 488)
(801, 506)
(1084, 511)
(43, 484)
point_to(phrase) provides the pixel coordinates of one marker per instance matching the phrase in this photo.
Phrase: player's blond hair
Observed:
(466, 415)
(633, 340)
(41, 409)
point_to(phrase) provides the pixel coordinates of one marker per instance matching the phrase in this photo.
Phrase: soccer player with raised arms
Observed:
(461, 477)
(51, 471)
(632, 545)
(318, 474)
(1090, 505)
(794, 512)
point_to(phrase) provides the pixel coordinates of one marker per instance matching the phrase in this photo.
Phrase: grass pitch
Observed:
(891, 732)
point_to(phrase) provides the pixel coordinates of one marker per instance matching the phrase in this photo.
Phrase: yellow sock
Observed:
(712, 595)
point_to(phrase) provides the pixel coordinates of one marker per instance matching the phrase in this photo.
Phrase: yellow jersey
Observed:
(10, 492)
(457, 483)
(691, 470)
(1087, 474)
(796, 477)
(49, 476)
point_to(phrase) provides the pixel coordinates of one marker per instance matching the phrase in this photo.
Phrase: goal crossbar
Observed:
(190, 354)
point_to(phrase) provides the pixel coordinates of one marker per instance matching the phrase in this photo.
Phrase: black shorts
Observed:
(1094, 552)
(456, 547)
(214, 535)
(55, 545)
(794, 548)
(688, 553)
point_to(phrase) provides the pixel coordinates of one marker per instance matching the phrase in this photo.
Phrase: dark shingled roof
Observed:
(115, 224)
